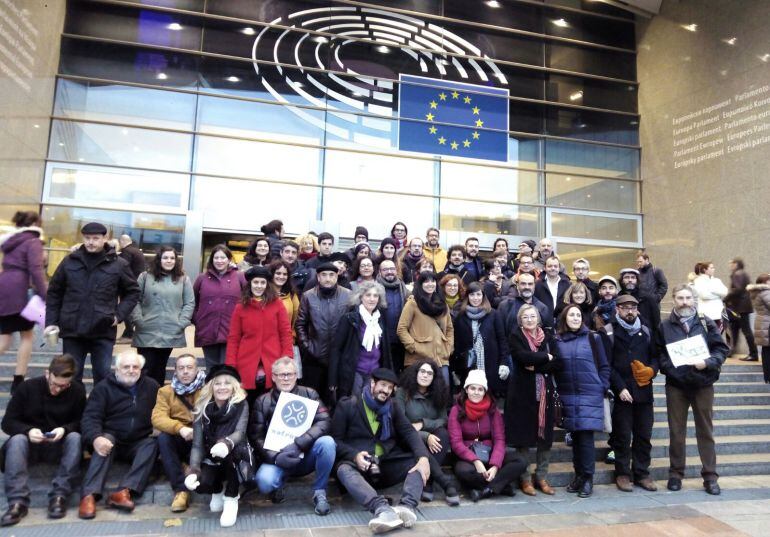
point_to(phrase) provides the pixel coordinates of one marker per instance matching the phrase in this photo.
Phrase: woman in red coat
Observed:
(260, 333)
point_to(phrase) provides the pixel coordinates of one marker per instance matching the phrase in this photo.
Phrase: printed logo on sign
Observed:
(294, 414)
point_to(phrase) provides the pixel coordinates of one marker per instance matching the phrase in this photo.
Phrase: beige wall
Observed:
(699, 204)
(30, 32)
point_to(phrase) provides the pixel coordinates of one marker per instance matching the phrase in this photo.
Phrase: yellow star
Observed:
(467, 100)
(433, 104)
(442, 96)
(429, 116)
(454, 145)
(475, 135)
(433, 129)
(455, 95)
(476, 110)
(442, 141)
(479, 123)
(466, 143)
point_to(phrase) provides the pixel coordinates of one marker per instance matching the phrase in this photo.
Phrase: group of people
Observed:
(420, 359)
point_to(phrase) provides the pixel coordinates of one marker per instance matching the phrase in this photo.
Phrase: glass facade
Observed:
(230, 113)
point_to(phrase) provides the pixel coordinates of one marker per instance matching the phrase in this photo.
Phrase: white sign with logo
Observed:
(293, 417)
(688, 351)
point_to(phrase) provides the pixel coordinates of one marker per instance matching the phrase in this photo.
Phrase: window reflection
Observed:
(380, 172)
(589, 159)
(592, 193)
(488, 183)
(604, 259)
(595, 227)
(492, 218)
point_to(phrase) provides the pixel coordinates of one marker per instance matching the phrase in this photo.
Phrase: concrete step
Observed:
(724, 387)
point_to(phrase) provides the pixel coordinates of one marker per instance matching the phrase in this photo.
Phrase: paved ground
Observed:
(742, 509)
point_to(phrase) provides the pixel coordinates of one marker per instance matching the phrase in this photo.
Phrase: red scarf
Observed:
(475, 411)
(536, 340)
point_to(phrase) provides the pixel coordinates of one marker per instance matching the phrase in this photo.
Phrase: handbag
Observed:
(482, 451)
(34, 311)
(558, 409)
(243, 458)
(607, 406)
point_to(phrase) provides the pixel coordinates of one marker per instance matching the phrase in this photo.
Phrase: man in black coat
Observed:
(91, 292)
(649, 310)
(652, 281)
(455, 264)
(135, 259)
(525, 291)
(377, 446)
(315, 446)
(43, 423)
(396, 293)
(739, 302)
(118, 421)
(633, 365)
(552, 285)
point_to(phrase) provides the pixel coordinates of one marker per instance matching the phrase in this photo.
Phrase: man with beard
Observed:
(633, 365)
(649, 311)
(377, 446)
(319, 313)
(396, 294)
(525, 291)
(433, 251)
(545, 250)
(473, 263)
(409, 260)
(604, 312)
(690, 386)
(325, 247)
(456, 264)
(117, 422)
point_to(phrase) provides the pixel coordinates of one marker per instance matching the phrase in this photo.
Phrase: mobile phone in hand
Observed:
(49, 434)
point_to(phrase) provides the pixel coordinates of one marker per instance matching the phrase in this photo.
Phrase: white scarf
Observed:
(373, 331)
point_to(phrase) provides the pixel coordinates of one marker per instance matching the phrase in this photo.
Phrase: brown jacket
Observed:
(170, 414)
(424, 336)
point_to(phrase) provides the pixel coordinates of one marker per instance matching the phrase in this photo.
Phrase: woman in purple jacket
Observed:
(22, 263)
(477, 437)
(217, 291)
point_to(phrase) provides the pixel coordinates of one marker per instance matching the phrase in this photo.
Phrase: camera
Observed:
(373, 471)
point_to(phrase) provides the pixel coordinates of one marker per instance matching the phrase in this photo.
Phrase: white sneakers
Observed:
(217, 502)
(229, 512)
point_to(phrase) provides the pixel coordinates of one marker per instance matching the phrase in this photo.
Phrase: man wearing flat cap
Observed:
(377, 446)
(91, 292)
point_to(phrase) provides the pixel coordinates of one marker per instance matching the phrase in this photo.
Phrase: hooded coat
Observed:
(760, 299)
(22, 264)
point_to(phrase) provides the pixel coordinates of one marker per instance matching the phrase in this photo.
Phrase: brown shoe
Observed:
(624, 483)
(543, 486)
(121, 500)
(181, 502)
(87, 509)
(647, 484)
(526, 487)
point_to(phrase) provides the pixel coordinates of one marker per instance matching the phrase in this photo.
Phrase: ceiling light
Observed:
(81, 159)
(161, 76)
(730, 41)
(690, 27)
(320, 39)
(569, 178)
(493, 3)
(383, 49)
(561, 23)
(765, 57)
(36, 126)
(633, 122)
(124, 132)
(233, 79)
(174, 26)
(576, 96)
(248, 31)
(61, 144)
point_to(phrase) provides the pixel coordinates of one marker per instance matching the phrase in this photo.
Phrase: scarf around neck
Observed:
(187, 389)
(428, 306)
(373, 332)
(476, 411)
(630, 328)
(536, 340)
(476, 355)
(605, 309)
(383, 411)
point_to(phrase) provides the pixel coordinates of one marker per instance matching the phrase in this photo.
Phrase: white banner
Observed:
(688, 351)
(293, 417)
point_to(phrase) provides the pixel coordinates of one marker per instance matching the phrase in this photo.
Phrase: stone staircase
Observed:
(741, 427)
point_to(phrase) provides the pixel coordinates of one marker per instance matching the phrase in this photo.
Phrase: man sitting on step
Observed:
(312, 451)
(117, 422)
(43, 422)
(172, 416)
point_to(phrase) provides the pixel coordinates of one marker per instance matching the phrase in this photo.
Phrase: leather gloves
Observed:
(642, 374)
(288, 456)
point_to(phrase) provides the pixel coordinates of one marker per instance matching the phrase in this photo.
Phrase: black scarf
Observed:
(218, 422)
(432, 306)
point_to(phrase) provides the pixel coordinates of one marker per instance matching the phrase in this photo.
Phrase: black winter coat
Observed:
(509, 309)
(262, 413)
(317, 323)
(135, 259)
(346, 349)
(33, 407)
(543, 294)
(496, 351)
(623, 349)
(112, 411)
(521, 405)
(649, 309)
(83, 302)
(352, 433)
(653, 282)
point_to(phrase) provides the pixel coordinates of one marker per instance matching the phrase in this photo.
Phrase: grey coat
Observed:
(760, 299)
(163, 312)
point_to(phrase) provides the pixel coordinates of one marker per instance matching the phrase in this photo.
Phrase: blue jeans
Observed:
(320, 458)
(101, 355)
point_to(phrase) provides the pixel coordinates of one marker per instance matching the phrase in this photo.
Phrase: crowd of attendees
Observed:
(430, 366)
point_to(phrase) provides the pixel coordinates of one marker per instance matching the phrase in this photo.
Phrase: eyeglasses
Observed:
(285, 376)
(427, 372)
(384, 269)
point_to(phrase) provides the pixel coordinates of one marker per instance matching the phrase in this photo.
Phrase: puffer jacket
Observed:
(264, 407)
(760, 299)
(424, 336)
(317, 322)
(83, 302)
(22, 264)
(164, 310)
(580, 385)
(710, 292)
(215, 299)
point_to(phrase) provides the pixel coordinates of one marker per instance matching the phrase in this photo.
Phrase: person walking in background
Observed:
(217, 291)
(710, 291)
(652, 281)
(22, 250)
(760, 299)
(165, 309)
(739, 304)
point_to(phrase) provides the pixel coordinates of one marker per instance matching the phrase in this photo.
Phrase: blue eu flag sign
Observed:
(452, 118)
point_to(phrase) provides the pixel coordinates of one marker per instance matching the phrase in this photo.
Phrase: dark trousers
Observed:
(141, 454)
(513, 466)
(678, 402)
(583, 453)
(155, 361)
(766, 364)
(397, 353)
(315, 375)
(214, 354)
(216, 478)
(632, 430)
(395, 468)
(173, 450)
(741, 324)
(437, 475)
(20, 452)
(100, 350)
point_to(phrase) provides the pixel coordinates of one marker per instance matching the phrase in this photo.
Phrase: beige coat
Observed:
(170, 414)
(424, 336)
(760, 299)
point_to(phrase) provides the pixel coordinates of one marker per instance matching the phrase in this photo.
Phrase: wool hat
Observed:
(629, 270)
(361, 230)
(477, 377)
(388, 240)
(93, 228)
(622, 299)
(326, 267)
(338, 256)
(530, 243)
(258, 272)
(383, 373)
(608, 278)
(222, 369)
